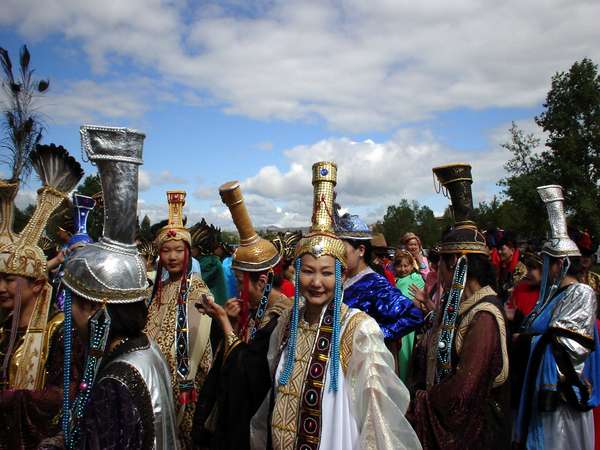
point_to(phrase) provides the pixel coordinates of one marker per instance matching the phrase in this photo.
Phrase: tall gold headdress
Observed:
(59, 173)
(322, 240)
(8, 192)
(174, 230)
(254, 254)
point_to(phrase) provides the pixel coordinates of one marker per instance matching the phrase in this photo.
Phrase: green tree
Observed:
(145, 233)
(399, 219)
(572, 120)
(526, 171)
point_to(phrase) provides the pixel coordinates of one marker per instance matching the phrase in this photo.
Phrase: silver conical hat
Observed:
(559, 244)
(111, 270)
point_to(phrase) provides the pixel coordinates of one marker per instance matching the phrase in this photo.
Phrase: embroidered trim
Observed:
(466, 322)
(131, 379)
(348, 338)
(309, 415)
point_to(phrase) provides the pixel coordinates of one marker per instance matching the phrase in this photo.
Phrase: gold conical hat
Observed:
(322, 240)
(254, 254)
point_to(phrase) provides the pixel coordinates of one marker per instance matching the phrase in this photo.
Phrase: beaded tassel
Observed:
(334, 361)
(99, 329)
(262, 306)
(291, 345)
(446, 339)
(68, 342)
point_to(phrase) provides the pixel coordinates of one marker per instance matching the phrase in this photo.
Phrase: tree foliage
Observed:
(571, 119)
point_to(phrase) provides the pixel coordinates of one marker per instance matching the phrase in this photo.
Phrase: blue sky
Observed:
(258, 91)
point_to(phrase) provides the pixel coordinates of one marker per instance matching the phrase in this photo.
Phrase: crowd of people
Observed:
(328, 340)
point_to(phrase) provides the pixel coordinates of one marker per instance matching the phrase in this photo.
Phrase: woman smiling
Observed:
(334, 377)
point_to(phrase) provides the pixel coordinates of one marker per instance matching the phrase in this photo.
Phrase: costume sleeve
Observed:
(111, 421)
(451, 415)
(576, 313)
(396, 314)
(34, 414)
(378, 396)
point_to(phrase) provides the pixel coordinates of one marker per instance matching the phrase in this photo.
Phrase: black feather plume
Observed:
(56, 167)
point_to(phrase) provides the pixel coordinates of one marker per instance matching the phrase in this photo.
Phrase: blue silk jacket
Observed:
(396, 314)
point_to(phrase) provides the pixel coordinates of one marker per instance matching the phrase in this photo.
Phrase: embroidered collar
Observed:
(466, 304)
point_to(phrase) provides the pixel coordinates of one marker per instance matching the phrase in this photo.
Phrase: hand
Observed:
(208, 306)
(420, 298)
(233, 307)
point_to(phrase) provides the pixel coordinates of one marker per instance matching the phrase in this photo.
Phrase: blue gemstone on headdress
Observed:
(324, 171)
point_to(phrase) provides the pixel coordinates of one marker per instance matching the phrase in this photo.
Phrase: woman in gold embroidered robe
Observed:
(173, 299)
(334, 382)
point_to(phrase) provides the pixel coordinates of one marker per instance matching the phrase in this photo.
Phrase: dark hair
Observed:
(254, 276)
(509, 239)
(576, 268)
(368, 256)
(433, 255)
(127, 319)
(480, 269)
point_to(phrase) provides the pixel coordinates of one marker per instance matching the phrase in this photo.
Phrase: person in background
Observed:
(205, 239)
(412, 243)
(149, 253)
(562, 376)
(381, 257)
(512, 270)
(408, 275)
(225, 252)
(592, 279)
(181, 332)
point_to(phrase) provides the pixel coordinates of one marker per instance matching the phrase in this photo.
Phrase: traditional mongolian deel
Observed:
(334, 381)
(111, 272)
(562, 378)
(32, 362)
(180, 330)
(240, 378)
(466, 348)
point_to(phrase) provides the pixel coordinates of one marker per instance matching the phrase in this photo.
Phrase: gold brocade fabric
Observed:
(593, 280)
(161, 327)
(287, 400)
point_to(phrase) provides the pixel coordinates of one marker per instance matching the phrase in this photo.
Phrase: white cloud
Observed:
(371, 176)
(359, 65)
(144, 182)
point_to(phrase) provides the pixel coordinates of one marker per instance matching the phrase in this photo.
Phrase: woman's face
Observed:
(11, 284)
(403, 267)
(413, 247)
(354, 256)
(533, 276)
(317, 279)
(172, 256)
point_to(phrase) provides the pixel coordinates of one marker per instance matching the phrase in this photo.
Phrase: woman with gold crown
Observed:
(179, 329)
(240, 377)
(334, 381)
(31, 340)
(463, 402)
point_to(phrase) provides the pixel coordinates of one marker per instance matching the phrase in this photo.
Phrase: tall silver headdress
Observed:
(559, 245)
(111, 270)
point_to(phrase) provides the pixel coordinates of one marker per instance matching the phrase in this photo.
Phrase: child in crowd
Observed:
(407, 274)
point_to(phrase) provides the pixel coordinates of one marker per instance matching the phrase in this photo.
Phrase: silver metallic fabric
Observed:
(559, 245)
(112, 270)
(153, 369)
